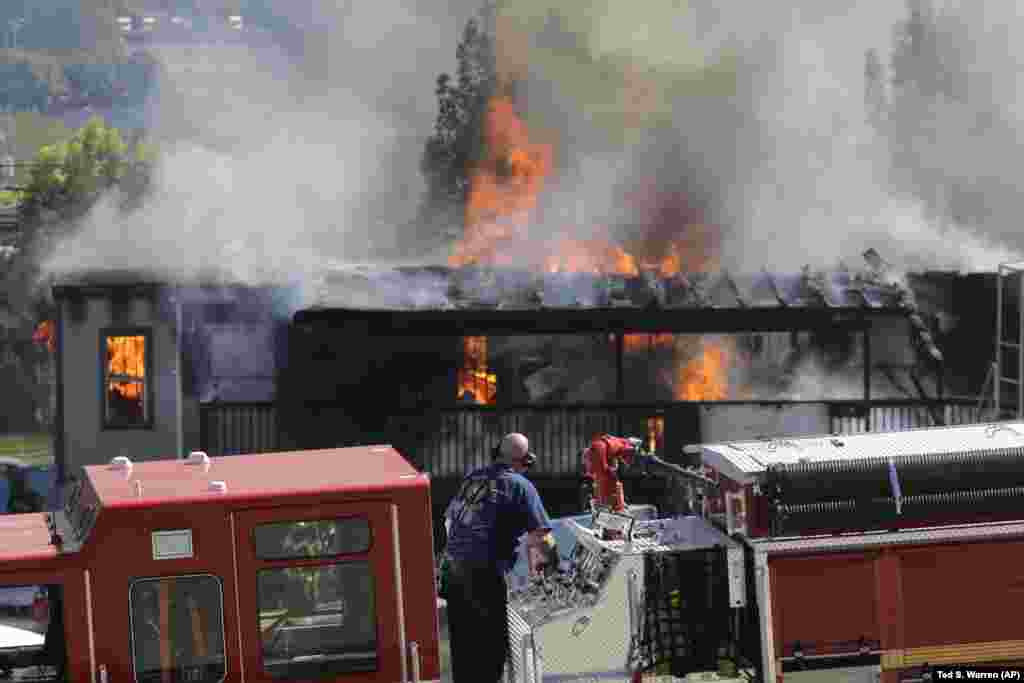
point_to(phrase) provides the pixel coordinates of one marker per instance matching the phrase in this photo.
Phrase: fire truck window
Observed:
(178, 630)
(31, 633)
(314, 538)
(125, 362)
(318, 620)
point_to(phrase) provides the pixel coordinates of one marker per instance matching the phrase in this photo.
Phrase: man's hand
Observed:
(542, 551)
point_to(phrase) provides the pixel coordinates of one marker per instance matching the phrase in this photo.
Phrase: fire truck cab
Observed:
(313, 565)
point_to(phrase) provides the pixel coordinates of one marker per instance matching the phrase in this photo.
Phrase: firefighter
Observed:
(494, 507)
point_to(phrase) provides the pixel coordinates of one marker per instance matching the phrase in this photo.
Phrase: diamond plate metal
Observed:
(741, 461)
(596, 642)
(520, 649)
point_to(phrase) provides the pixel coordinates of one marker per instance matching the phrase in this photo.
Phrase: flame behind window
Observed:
(126, 378)
(475, 382)
(706, 377)
(655, 433)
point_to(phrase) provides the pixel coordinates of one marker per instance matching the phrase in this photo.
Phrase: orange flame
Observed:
(655, 433)
(504, 188)
(504, 197)
(126, 360)
(473, 378)
(43, 335)
(705, 378)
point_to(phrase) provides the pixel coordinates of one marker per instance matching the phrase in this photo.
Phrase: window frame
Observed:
(148, 393)
(131, 616)
(383, 556)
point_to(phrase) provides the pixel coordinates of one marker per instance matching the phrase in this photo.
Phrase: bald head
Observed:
(514, 446)
(513, 449)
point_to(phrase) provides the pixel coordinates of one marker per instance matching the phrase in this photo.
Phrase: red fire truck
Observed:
(284, 566)
(880, 555)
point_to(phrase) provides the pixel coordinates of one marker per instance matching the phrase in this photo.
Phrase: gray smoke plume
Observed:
(274, 162)
(755, 115)
(758, 115)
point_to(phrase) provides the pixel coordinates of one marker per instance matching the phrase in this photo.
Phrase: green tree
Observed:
(69, 177)
(457, 141)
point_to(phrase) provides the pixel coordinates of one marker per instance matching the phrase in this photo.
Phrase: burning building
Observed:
(441, 361)
(137, 355)
(559, 338)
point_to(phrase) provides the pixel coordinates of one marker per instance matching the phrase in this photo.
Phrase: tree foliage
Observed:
(67, 178)
(457, 140)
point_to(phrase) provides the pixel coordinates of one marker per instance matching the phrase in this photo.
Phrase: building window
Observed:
(177, 626)
(127, 393)
(316, 619)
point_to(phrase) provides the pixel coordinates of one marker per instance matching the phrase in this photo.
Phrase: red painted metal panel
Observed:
(758, 515)
(971, 592)
(823, 602)
(889, 598)
(250, 478)
(121, 551)
(416, 531)
(25, 538)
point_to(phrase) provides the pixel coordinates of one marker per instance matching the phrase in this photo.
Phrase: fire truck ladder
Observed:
(1008, 385)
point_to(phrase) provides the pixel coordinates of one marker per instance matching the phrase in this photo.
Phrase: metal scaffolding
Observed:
(1009, 338)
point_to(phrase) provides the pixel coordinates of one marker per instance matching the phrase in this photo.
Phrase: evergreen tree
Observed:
(457, 141)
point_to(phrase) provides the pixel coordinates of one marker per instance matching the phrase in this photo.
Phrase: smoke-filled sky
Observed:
(756, 111)
(275, 161)
(761, 110)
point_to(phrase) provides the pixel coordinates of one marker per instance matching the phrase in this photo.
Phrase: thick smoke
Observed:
(275, 162)
(762, 113)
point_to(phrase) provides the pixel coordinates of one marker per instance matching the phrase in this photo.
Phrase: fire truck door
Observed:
(319, 593)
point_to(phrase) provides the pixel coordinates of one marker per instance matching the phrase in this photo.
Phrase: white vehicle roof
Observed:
(744, 461)
(11, 636)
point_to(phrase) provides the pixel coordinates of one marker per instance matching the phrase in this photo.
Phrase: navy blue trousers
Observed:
(477, 623)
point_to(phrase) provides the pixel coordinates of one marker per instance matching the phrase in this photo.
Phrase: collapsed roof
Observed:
(435, 300)
(438, 287)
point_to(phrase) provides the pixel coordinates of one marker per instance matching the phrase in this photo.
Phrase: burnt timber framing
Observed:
(513, 321)
(615, 321)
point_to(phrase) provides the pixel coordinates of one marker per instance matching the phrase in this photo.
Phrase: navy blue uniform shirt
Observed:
(494, 507)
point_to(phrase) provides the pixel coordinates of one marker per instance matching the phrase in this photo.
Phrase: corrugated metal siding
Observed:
(234, 428)
(464, 437)
(891, 418)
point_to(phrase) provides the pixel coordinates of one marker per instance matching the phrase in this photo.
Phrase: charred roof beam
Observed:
(513, 322)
